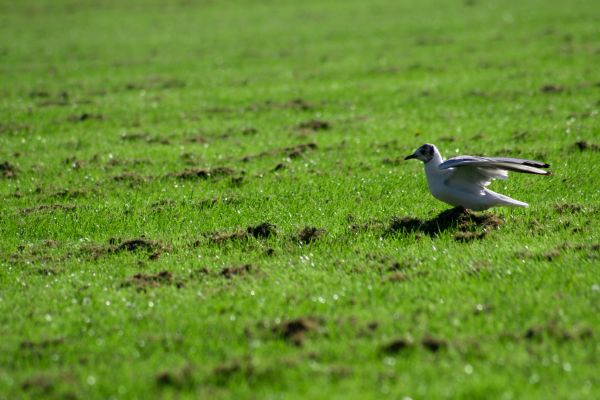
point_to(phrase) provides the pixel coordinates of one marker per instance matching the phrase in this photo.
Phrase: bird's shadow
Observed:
(455, 219)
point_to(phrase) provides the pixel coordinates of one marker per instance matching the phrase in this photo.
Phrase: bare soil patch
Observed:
(178, 378)
(296, 330)
(295, 104)
(145, 137)
(202, 173)
(290, 152)
(584, 145)
(397, 345)
(131, 178)
(552, 88)
(261, 231)
(142, 281)
(313, 125)
(48, 208)
(8, 170)
(434, 344)
(552, 330)
(85, 117)
(234, 271)
(310, 234)
(469, 226)
(156, 83)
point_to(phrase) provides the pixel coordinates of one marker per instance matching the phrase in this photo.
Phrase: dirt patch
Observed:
(226, 371)
(310, 234)
(295, 330)
(592, 251)
(552, 330)
(138, 244)
(202, 173)
(132, 178)
(153, 248)
(397, 277)
(162, 205)
(84, 117)
(279, 167)
(7, 170)
(470, 226)
(145, 137)
(397, 345)
(166, 204)
(583, 145)
(42, 344)
(197, 139)
(60, 99)
(74, 163)
(48, 208)
(156, 83)
(233, 271)
(116, 162)
(297, 151)
(313, 125)
(69, 193)
(466, 237)
(371, 224)
(295, 104)
(551, 88)
(40, 383)
(261, 231)
(394, 162)
(144, 281)
(290, 152)
(47, 271)
(177, 378)
(433, 344)
(566, 208)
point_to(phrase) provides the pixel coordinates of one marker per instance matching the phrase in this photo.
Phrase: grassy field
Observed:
(207, 199)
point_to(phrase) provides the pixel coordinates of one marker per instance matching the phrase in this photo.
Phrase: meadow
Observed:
(209, 199)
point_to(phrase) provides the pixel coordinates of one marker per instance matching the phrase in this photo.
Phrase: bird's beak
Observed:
(410, 157)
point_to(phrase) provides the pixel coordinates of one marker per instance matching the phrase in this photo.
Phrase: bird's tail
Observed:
(507, 201)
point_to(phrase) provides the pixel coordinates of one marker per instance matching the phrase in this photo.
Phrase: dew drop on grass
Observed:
(534, 378)
(391, 361)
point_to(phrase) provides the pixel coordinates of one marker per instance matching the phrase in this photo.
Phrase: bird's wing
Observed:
(473, 179)
(500, 163)
(473, 174)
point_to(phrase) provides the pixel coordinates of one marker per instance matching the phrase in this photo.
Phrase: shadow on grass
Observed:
(468, 225)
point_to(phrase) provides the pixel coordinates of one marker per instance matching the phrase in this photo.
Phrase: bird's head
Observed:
(424, 153)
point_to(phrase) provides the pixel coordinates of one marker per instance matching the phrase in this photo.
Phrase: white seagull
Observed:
(461, 181)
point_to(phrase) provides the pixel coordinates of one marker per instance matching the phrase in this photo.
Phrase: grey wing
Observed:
(499, 163)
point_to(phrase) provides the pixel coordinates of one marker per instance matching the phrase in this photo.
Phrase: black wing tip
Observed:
(536, 164)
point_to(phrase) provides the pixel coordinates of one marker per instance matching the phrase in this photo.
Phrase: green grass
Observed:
(100, 102)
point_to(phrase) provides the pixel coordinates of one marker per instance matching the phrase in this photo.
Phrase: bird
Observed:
(462, 181)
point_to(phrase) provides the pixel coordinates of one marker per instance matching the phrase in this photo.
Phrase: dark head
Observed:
(424, 153)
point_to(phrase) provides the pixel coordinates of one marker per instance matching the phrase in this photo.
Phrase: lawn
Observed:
(209, 199)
